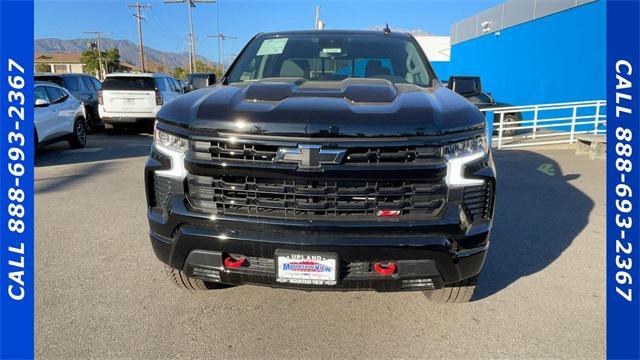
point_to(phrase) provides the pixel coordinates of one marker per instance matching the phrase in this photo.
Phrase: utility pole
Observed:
(98, 34)
(221, 38)
(319, 22)
(164, 63)
(138, 15)
(192, 42)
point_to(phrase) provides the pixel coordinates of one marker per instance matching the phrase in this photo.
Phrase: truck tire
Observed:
(460, 292)
(93, 121)
(509, 120)
(78, 139)
(184, 282)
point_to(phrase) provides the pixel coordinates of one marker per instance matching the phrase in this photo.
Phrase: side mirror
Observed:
(201, 82)
(466, 86)
(42, 103)
(212, 79)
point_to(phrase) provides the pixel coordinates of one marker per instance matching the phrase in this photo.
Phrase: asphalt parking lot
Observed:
(101, 293)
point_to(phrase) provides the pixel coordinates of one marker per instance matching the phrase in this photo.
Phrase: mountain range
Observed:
(128, 50)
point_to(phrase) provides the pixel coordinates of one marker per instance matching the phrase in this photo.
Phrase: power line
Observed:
(139, 17)
(192, 45)
(158, 26)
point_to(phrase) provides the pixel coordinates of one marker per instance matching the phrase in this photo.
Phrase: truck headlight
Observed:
(174, 147)
(460, 154)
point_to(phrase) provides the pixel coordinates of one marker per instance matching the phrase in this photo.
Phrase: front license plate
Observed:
(307, 268)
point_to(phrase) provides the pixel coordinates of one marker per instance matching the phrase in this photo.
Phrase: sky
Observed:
(166, 25)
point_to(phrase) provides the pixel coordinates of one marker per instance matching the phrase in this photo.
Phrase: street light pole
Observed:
(221, 38)
(192, 46)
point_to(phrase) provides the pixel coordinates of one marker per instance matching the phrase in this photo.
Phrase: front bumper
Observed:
(428, 253)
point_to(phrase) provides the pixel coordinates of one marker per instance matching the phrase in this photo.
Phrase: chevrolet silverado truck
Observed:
(323, 160)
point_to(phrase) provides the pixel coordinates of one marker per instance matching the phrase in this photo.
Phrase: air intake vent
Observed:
(477, 201)
(162, 190)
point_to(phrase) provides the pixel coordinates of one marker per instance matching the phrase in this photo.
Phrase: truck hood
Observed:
(347, 108)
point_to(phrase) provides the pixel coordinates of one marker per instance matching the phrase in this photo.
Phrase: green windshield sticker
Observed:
(332, 51)
(272, 46)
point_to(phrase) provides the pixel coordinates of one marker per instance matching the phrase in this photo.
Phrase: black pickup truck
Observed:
(323, 160)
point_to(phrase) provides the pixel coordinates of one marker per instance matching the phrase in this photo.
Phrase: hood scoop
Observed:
(355, 90)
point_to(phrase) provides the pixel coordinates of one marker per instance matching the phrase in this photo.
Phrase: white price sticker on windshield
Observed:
(272, 46)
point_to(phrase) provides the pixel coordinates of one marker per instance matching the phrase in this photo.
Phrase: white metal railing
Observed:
(544, 124)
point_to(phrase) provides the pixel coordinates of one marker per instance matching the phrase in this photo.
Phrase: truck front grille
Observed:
(282, 197)
(230, 151)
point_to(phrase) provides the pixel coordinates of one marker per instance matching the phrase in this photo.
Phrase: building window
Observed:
(60, 68)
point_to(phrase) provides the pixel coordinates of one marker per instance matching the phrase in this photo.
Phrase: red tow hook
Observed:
(234, 263)
(384, 269)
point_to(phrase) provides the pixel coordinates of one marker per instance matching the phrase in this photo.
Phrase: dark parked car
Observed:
(471, 88)
(197, 81)
(83, 87)
(183, 85)
(323, 160)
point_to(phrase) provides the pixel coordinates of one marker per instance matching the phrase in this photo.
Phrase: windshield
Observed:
(332, 58)
(54, 79)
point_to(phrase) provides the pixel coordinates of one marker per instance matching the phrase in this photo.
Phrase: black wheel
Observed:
(508, 124)
(92, 122)
(460, 292)
(184, 282)
(78, 139)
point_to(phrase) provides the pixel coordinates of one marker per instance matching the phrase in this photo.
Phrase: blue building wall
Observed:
(557, 58)
(442, 69)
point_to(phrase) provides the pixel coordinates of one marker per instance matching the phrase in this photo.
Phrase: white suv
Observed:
(133, 98)
(58, 116)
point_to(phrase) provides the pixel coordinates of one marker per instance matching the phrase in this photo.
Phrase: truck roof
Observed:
(137, 74)
(334, 32)
(60, 74)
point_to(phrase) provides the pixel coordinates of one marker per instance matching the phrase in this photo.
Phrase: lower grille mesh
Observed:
(309, 198)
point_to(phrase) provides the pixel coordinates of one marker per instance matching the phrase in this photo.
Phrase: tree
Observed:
(43, 67)
(179, 73)
(152, 66)
(90, 60)
(209, 68)
(110, 60)
(182, 73)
